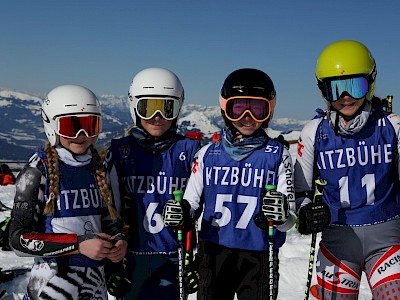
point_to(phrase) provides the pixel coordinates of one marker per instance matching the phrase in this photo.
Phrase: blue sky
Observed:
(102, 44)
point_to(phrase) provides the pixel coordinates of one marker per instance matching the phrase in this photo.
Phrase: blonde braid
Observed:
(102, 182)
(54, 178)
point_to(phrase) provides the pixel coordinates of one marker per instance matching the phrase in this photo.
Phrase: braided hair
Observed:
(54, 179)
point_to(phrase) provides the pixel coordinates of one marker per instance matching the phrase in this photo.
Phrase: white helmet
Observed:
(67, 100)
(152, 82)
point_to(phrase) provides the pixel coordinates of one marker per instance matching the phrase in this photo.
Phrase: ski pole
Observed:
(178, 198)
(389, 100)
(271, 187)
(267, 225)
(191, 279)
(319, 188)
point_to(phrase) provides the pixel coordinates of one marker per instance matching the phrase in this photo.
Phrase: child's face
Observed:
(77, 145)
(247, 125)
(348, 106)
(156, 126)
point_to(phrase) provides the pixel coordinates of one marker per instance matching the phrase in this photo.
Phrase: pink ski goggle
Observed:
(258, 108)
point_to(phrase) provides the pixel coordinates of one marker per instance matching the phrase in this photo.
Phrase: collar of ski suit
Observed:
(354, 125)
(148, 142)
(74, 160)
(245, 146)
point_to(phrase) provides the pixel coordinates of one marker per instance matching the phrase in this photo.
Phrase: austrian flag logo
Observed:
(300, 148)
(124, 151)
(194, 169)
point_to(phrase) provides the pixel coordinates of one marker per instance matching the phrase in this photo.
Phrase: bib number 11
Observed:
(367, 183)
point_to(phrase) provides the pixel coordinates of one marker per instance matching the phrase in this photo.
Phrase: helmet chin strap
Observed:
(336, 127)
(230, 126)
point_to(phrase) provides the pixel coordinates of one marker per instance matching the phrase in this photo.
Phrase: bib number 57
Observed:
(226, 214)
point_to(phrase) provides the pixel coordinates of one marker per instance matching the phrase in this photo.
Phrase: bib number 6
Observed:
(152, 221)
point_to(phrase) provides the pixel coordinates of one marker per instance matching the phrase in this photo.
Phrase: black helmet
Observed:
(248, 83)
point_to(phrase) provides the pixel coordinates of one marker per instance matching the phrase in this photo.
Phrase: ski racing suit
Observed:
(233, 250)
(142, 181)
(59, 270)
(362, 193)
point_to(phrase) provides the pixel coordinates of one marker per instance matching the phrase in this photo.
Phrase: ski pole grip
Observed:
(319, 188)
(389, 104)
(178, 194)
(270, 187)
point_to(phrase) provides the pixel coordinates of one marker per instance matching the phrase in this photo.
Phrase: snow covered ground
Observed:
(294, 257)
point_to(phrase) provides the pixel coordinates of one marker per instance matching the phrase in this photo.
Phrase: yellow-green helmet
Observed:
(344, 58)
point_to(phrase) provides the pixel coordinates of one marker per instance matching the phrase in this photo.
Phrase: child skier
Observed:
(62, 212)
(353, 146)
(145, 168)
(228, 180)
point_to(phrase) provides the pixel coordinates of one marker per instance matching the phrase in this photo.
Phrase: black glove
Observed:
(190, 275)
(118, 278)
(275, 207)
(313, 218)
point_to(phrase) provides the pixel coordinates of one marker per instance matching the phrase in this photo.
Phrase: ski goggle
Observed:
(71, 126)
(236, 107)
(332, 89)
(147, 108)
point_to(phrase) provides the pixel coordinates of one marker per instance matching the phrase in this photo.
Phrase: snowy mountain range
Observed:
(21, 128)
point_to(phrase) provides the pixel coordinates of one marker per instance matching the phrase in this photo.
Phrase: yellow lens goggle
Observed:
(147, 108)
